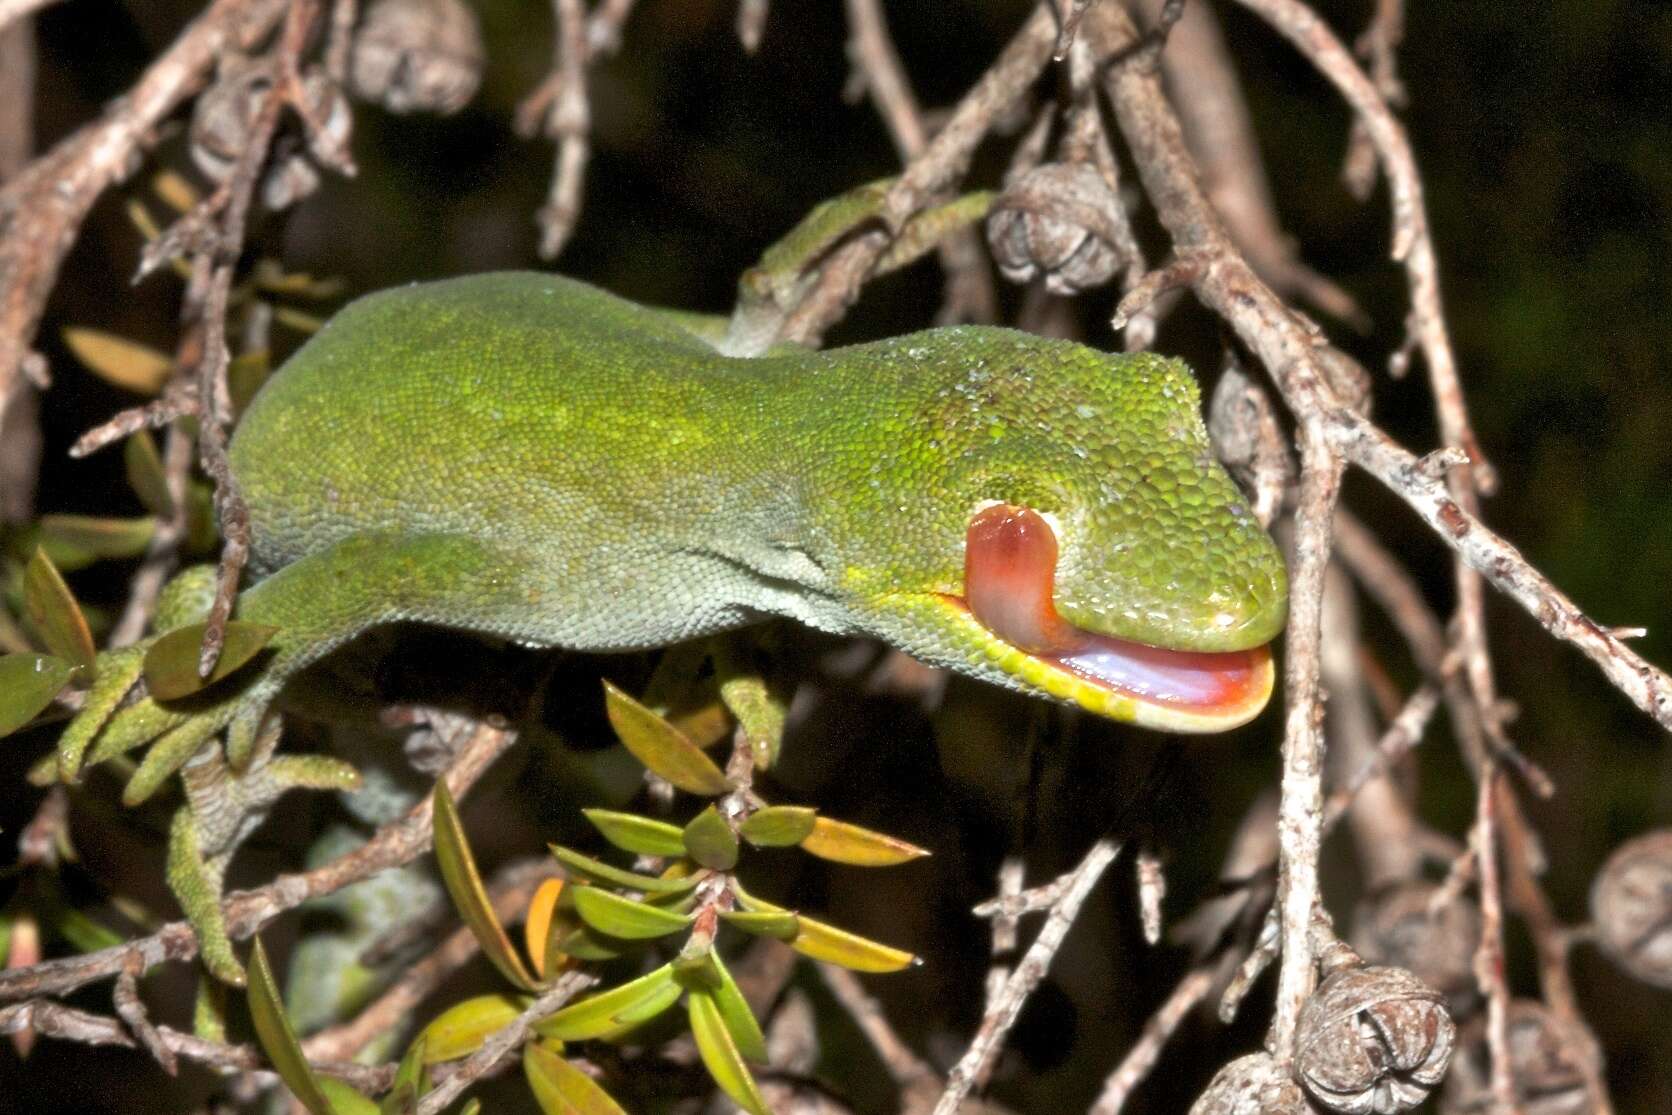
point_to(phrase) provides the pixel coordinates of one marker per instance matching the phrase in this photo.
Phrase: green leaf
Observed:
(52, 611)
(778, 924)
(562, 1089)
(461, 1029)
(599, 871)
(622, 917)
(464, 884)
(778, 826)
(344, 1100)
(171, 663)
(244, 376)
(822, 941)
(720, 1054)
(28, 683)
(660, 746)
(411, 1081)
(127, 364)
(711, 841)
(630, 1004)
(146, 475)
(844, 843)
(639, 835)
(278, 1039)
(760, 707)
(585, 943)
(735, 1013)
(100, 538)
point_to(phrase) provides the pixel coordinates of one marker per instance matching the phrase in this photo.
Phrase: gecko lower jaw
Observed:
(1173, 690)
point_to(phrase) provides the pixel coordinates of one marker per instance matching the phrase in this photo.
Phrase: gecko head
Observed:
(1080, 539)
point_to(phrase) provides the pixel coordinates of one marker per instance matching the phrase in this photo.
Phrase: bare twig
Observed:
(559, 109)
(1141, 1058)
(247, 911)
(903, 1064)
(1202, 84)
(13, 10)
(937, 168)
(505, 1041)
(969, 283)
(58, 189)
(1001, 1014)
(394, 1007)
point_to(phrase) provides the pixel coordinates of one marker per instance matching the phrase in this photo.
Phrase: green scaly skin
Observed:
(524, 455)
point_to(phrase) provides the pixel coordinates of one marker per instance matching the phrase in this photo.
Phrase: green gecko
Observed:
(524, 455)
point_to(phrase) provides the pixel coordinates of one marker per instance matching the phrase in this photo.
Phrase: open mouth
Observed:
(1009, 574)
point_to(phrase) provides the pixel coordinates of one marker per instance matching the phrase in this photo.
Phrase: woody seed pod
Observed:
(225, 113)
(1396, 927)
(1550, 1061)
(1631, 904)
(1251, 1085)
(418, 55)
(1054, 221)
(1373, 1039)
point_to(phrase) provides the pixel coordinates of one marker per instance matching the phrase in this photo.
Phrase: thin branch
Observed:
(504, 1042)
(41, 210)
(940, 165)
(969, 283)
(393, 1009)
(1146, 1051)
(13, 10)
(394, 844)
(1001, 1014)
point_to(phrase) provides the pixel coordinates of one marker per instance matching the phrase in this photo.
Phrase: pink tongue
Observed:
(1010, 562)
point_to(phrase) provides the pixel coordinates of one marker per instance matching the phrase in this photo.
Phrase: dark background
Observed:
(1542, 132)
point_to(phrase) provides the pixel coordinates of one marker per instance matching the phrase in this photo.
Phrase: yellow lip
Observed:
(1243, 701)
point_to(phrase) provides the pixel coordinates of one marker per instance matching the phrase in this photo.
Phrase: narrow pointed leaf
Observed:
(761, 709)
(600, 871)
(720, 1054)
(28, 683)
(662, 747)
(585, 943)
(780, 925)
(128, 364)
(711, 841)
(99, 537)
(464, 885)
(844, 843)
(735, 1013)
(411, 1081)
(344, 1100)
(173, 188)
(537, 926)
(635, 1001)
(146, 476)
(245, 374)
(52, 611)
(639, 835)
(278, 1039)
(562, 1089)
(778, 826)
(822, 941)
(171, 663)
(461, 1029)
(622, 917)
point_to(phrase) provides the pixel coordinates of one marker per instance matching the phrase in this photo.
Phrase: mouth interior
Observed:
(1010, 562)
